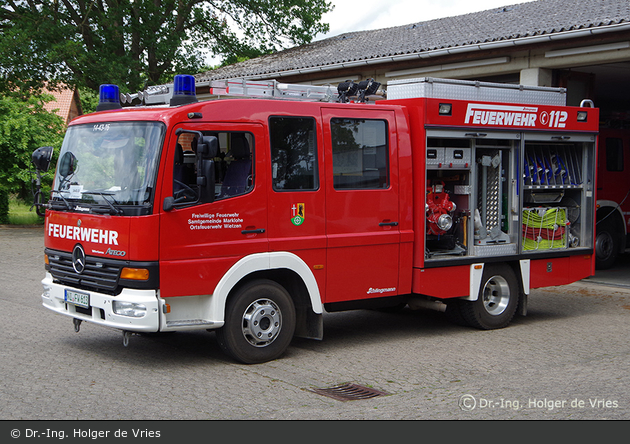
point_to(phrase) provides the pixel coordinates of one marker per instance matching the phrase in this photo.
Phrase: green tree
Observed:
(135, 43)
(25, 126)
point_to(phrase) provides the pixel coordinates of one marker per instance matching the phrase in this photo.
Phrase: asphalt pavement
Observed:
(568, 359)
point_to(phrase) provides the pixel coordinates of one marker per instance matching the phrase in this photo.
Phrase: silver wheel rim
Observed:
(262, 322)
(604, 246)
(496, 295)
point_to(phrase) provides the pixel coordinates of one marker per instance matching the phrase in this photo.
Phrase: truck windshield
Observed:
(108, 167)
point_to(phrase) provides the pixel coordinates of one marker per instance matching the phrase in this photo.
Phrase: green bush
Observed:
(22, 212)
(4, 206)
(25, 126)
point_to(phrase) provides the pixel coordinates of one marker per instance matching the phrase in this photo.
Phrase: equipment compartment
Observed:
(557, 178)
(468, 196)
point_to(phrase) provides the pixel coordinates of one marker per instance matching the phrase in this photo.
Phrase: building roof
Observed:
(65, 104)
(521, 23)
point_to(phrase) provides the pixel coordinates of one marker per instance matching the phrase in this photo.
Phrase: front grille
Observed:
(99, 274)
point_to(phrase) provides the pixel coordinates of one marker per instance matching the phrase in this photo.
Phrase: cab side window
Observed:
(360, 153)
(293, 153)
(185, 188)
(236, 174)
(233, 171)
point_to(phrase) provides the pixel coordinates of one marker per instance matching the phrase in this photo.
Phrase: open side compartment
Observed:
(558, 201)
(469, 195)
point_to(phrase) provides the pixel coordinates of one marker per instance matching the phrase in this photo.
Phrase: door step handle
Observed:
(255, 231)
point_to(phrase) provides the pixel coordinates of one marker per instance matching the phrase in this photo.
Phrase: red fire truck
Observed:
(253, 216)
(613, 190)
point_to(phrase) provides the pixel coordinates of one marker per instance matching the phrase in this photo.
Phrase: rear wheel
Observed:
(259, 322)
(606, 245)
(497, 301)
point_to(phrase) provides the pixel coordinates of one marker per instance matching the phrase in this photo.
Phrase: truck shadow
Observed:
(341, 330)
(149, 349)
(359, 326)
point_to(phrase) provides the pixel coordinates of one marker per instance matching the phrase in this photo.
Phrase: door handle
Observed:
(388, 224)
(255, 231)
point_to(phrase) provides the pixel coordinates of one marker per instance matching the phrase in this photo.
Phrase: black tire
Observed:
(259, 322)
(454, 312)
(606, 245)
(497, 300)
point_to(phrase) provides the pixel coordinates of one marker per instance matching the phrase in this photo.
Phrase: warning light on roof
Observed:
(183, 90)
(109, 98)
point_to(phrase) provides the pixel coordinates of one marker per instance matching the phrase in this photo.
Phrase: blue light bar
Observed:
(109, 93)
(109, 98)
(184, 90)
(184, 85)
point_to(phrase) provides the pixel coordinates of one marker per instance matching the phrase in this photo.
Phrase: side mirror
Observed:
(169, 203)
(41, 158)
(208, 147)
(67, 164)
(206, 180)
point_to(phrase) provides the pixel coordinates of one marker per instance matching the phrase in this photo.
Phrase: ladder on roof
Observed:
(269, 89)
(272, 89)
(344, 92)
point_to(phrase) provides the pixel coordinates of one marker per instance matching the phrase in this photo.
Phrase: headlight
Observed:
(130, 309)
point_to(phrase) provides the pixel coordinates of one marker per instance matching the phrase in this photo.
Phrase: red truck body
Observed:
(424, 201)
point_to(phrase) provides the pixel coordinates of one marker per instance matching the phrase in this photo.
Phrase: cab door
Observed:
(362, 212)
(199, 240)
(296, 196)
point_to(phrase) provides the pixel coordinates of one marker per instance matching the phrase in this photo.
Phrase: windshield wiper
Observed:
(63, 199)
(111, 206)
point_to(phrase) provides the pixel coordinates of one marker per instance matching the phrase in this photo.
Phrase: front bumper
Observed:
(101, 310)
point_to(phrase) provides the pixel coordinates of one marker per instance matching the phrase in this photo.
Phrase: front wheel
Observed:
(259, 322)
(497, 301)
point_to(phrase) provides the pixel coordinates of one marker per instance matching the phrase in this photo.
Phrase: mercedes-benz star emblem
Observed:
(78, 259)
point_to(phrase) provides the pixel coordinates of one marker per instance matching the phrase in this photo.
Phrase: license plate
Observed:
(76, 298)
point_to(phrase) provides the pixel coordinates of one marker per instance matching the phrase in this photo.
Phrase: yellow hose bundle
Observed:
(544, 228)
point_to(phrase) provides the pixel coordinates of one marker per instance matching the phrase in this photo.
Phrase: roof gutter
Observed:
(565, 35)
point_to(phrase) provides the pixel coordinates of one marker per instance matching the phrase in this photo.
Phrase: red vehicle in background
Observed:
(613, 192)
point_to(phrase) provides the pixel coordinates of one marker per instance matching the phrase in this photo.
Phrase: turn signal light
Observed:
(135, 274)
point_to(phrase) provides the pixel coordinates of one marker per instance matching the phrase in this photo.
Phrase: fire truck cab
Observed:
(253, 216)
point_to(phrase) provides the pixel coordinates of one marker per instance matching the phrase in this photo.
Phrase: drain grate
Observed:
(349, 392)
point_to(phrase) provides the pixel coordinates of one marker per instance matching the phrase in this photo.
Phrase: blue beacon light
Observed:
(184, 90)
(109, 98)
